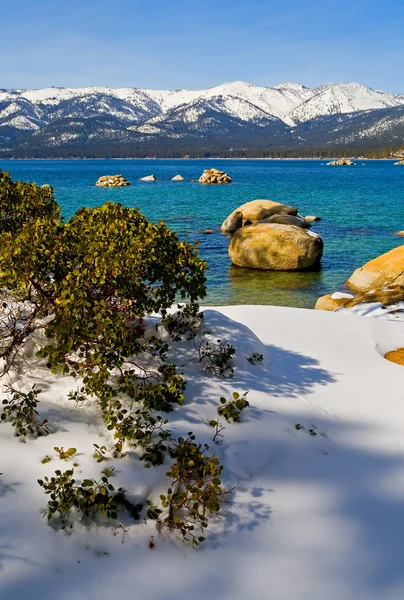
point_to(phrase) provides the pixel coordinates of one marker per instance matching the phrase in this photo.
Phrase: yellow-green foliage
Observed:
(22, 203)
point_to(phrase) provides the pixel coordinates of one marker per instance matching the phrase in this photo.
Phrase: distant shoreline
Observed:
(199, 159)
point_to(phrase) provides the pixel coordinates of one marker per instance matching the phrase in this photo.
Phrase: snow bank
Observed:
(318, 510)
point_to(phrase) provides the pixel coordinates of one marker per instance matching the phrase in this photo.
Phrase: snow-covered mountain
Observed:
(58, 116)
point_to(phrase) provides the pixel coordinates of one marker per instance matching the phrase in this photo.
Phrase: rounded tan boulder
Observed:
(386, 270)
(275, 247)
(332, 301)
(256, 210)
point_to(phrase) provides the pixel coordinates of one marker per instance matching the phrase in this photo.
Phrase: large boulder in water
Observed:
(254, 211)
(386, 270)
(275, 247)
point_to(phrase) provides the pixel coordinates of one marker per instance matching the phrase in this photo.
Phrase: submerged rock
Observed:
(276, 247)
(112, 181)
(386, 270)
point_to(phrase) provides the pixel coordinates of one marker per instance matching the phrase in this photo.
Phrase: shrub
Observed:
(195, 493)
(89, 499)
(21, 411)
(216, 357)
(23, 203)
(231, 410)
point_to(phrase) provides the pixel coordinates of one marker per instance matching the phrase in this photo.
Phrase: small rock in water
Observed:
(208, 231)
(112, 181)
(178, 178)
(400, 233)
(311, 219)
(148, 178)
(214, 176)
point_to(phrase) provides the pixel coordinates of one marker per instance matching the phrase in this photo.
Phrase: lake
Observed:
(361, 207)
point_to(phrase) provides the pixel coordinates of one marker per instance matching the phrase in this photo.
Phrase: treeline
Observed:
(184, 151)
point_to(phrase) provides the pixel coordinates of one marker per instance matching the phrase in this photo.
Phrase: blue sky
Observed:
(194, 44)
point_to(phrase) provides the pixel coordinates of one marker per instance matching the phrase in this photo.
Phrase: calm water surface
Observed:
(361, 207)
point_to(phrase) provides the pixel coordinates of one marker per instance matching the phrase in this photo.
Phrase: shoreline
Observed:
(198, 159)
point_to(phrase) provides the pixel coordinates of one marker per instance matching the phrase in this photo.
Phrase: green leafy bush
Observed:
(23, 203)
(88, 499)
(231, 410)
(21, 410)
(196, 492)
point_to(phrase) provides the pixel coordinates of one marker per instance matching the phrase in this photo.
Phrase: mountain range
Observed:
(101, 121)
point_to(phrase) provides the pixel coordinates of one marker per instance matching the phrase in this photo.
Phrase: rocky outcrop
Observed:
(148, 178)
(400, 162)
(254, 211)
(399, 233)
(342, 162)
(112, 181)
(178, 178)
(271, 246)
(384, 271)
(214, 176)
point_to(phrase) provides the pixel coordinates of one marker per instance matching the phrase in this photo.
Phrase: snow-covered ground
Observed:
(315, 517)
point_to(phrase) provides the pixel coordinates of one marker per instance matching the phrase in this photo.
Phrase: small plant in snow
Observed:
(255, 358)
(183, 323)
(312, 431)
(99, 452)
(138, 428)
(216, 357)
(21, 411)
(88, 499)
(65, 454)
(196, 492)
(217, 438)
(231, 410)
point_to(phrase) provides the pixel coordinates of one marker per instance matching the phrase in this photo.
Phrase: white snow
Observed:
(290, 102)
(315, 517)
(341, 295)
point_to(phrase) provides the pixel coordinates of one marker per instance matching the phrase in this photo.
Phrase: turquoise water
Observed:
(361, 207)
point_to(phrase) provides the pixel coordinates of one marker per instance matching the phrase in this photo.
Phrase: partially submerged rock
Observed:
(254, 211)
(148, 178)
(311, 219)
(214, 176)
(177, 178)
(399, 233)
(276, 247)
(342, 162)
(112, 181)
(385, 271)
